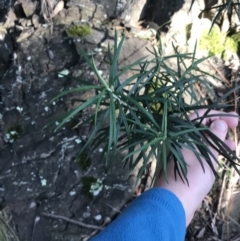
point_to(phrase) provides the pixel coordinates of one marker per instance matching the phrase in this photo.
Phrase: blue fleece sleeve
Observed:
(157, 215)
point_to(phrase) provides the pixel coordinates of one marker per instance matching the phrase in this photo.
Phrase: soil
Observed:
(39, 171)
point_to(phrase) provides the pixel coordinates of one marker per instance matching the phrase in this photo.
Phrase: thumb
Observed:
(219, 128)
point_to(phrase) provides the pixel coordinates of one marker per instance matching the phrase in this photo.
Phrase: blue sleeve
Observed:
(156, 215)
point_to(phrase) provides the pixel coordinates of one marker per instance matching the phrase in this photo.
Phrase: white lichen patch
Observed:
(78, 141)
(20, 109)
(72, 193)
(44, 182)
(43, 95)
(107, 187)
(96, 187)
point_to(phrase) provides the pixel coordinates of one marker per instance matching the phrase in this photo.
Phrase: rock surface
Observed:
(39, 169)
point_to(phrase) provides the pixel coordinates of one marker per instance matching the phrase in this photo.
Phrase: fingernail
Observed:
(220, 125)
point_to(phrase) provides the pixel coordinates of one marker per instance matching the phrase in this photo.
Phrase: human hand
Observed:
(200, 182)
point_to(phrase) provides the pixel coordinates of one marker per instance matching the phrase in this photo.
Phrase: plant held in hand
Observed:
(145, 115)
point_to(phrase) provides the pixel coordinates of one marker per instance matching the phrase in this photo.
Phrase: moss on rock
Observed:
(78, 31)
(212, 41)
(216, 43)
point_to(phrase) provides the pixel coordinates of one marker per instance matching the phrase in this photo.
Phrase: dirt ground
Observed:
(40, 175)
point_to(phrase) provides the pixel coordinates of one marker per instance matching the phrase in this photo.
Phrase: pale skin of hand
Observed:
(200, 182)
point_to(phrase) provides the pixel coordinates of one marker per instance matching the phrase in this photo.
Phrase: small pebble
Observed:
(63, 73)
(100, 150)
(98, 217)
(32, 205)
(29, 58)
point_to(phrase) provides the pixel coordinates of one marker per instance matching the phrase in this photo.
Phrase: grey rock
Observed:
(11, 18)
(134, 11)
(29, 7)
(35, 20)
(4, 4)
(25, 22)
(27, 32)
(89, 9)
(68, 16)
(95, 38)
(11, 90)
(11, 118)
(6, 48)
(99, 9)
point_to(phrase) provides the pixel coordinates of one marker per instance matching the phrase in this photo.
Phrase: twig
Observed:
(200, 92)
(113, 208)
(221, 194)
(234, 221)
(71, 221)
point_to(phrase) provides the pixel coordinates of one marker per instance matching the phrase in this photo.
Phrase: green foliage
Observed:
(212, 41)
(236, 37)
(231, 45)
(78, 31)
(84, 161)
(127, 119)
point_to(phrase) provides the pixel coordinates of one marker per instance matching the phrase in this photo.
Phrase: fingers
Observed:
(230, 118)
(231, 144)
(219, 128)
